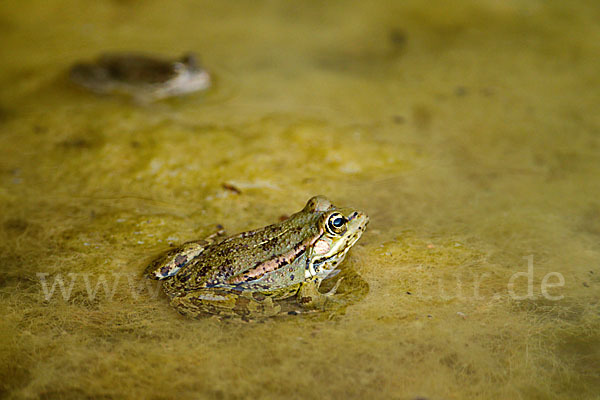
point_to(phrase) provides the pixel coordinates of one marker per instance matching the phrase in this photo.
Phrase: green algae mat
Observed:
(468, 132)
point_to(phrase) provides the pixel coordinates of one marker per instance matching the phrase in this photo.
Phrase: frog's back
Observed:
(226, 262)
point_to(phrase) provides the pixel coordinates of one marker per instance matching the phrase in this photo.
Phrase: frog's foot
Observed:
(225, 303)
(310, 297)
(334, 289)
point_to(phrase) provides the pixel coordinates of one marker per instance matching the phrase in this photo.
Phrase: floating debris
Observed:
(232, 188)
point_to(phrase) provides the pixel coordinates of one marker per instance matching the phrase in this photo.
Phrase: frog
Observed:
(144, 77)
(252, 273)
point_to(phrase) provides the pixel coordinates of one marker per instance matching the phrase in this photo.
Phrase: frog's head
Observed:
(190, 75)
(340, 228)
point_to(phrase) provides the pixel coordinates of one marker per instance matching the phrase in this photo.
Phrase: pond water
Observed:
(470, 134)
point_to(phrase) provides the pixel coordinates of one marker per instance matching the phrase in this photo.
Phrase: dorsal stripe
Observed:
(275, 263)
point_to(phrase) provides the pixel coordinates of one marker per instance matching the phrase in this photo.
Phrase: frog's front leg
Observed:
(310, 297)
(224, 302)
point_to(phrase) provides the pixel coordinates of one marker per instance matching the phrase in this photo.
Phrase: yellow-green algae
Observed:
(469, 132)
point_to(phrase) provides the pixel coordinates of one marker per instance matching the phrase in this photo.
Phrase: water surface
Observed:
(470, 135)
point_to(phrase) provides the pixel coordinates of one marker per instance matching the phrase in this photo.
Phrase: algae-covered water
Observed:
(469, 132)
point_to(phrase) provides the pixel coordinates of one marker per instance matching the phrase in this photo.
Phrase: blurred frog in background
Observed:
(142, 77)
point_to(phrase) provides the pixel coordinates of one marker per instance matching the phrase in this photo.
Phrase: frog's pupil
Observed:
(338, 222)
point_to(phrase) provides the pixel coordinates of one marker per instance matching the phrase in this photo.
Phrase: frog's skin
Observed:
(143, 77)
(247, 274)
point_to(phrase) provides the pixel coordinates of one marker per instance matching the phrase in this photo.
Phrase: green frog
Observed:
(249, 273)
(143, 77)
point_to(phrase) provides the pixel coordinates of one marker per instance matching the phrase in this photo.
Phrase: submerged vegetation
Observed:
(468, 135)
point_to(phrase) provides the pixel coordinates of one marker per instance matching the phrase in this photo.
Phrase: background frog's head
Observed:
(341, 229)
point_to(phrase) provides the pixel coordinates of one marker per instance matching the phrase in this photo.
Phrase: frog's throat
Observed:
(316, 266)
(275, 263)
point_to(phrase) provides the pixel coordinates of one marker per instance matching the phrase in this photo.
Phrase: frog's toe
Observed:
(334, 289)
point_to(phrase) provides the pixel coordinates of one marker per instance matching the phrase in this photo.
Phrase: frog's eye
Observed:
(336, 223)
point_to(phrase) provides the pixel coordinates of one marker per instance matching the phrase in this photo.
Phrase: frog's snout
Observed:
(359, 219)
